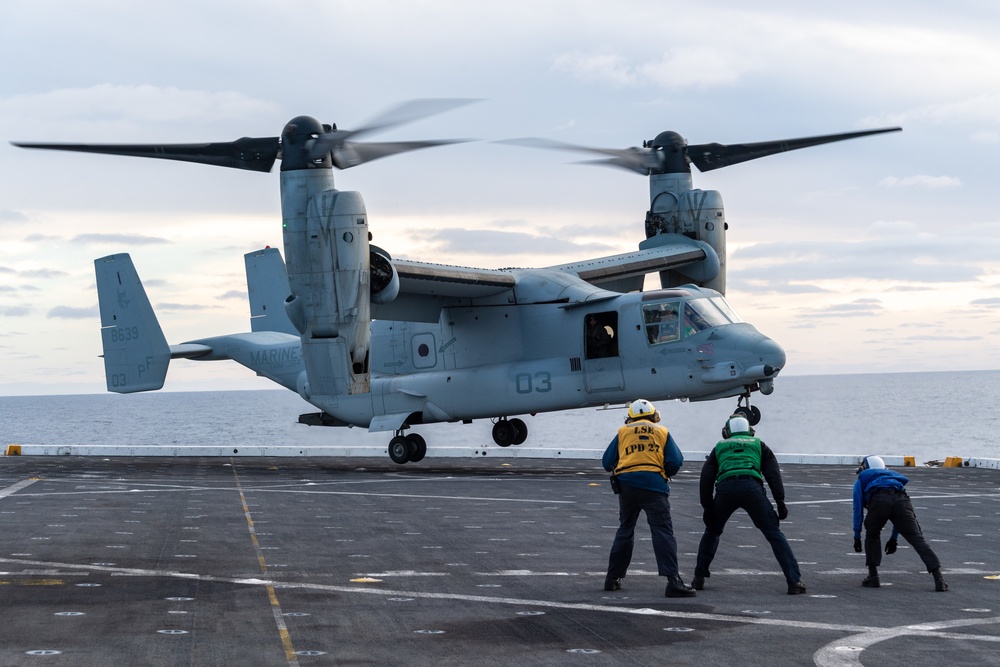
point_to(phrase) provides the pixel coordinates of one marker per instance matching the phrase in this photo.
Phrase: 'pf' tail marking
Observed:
(136, 354)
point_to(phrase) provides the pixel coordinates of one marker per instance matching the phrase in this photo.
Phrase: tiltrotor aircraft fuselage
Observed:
(389, 344)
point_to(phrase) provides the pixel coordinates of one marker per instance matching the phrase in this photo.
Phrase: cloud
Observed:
(687, 67)
(183, 307)
(125, 239)
(500, 243)
(921, 181)
(43, 273)
(7, 215)
(857, 308)
(73, 313)
(15, 311)
(239, 295)
(992, 302)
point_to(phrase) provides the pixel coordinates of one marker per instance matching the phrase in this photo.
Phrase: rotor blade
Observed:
(351, 154)
(632, 159)
(254, 154)
(621, 163)
(715, 156)
(407, 112)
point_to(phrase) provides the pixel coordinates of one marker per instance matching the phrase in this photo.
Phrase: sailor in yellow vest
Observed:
(736, 470)
(642, 456)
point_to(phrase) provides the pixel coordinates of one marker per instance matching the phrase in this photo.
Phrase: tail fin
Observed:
(267, 285)
(136, 354)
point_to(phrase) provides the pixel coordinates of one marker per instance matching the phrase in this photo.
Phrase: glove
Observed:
(782, 511)
(708, 517)
(857, 544)
(890, 547)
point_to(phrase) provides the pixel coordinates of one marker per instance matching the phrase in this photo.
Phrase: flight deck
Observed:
(359, 561)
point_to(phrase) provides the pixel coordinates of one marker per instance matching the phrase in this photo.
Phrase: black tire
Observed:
(417, 447)
(754, 417)
(503, 433)
(399, 449)
(520, 431)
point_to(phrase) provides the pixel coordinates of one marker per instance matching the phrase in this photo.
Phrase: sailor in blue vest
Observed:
(643, 455)
(881, 492)
(736, 470)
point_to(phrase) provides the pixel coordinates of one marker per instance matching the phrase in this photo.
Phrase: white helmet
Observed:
(640, 409)
(737, 424)
(873, 462)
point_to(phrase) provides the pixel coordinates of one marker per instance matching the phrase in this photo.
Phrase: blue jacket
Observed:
(672, 462)
(868, 481)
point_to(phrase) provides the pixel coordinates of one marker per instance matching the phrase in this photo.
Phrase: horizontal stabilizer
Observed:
(136, 353)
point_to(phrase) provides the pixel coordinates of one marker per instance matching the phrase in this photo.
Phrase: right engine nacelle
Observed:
(696, 214)
(384, 278)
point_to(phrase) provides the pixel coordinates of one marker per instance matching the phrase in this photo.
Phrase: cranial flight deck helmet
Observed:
(642, 409)
(736, 425)
(872, 463)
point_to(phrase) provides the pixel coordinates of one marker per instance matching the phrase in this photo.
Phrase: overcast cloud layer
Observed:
(879, 254)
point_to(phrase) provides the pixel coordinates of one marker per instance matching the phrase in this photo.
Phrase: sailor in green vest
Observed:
(735, 471)
(643, 455)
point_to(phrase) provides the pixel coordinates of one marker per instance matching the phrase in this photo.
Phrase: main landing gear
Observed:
(751, 412)
(507, 432)
(407, 448)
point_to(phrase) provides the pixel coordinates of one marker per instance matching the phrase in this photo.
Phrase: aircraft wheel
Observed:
(417, 447)
(754, 415)
(503, 433)
(399, 449)
(520, 431)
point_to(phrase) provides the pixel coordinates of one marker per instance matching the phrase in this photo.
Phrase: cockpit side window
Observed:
(662, 322)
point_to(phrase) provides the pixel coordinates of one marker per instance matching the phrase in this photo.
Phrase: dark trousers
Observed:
(747, 494)
(895, 506)
(656, 505)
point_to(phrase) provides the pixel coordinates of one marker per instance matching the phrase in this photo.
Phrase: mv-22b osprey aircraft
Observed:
(389, 344)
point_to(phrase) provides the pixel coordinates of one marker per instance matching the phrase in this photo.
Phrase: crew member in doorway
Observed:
(598, 339)
(881, 491)
(643, 456)
(736, 470)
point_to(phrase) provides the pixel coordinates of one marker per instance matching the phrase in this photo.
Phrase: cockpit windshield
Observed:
(700, 314)
(668, 321)
(724, 306)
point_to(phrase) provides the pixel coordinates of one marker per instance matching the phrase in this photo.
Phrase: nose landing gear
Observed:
(751, 412)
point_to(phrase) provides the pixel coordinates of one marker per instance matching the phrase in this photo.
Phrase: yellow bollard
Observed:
(909, 462)
(13, 450)
(953, 462)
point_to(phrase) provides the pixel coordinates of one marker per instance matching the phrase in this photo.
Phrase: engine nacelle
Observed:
(696, 214)
(328, 260)
(384, 278)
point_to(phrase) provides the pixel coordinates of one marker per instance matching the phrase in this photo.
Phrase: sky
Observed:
(873, 255)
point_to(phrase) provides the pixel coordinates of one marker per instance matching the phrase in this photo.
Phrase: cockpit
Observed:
(670, 315)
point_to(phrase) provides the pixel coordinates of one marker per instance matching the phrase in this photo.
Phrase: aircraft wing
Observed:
(425, 288)
(631, 267)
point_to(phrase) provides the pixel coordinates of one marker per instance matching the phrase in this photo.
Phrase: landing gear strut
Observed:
(507, 432)
(751, 412)
(407, 448)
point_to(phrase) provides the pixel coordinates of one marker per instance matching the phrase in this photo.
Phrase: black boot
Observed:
(871, 581)
(698, 583)
(939, 584)
(612, 583)
(676, 588)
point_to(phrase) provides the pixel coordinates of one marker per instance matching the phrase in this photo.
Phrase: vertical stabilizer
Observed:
(267, 286)
(136, 353)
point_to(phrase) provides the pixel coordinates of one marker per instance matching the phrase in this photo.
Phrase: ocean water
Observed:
(926, 415)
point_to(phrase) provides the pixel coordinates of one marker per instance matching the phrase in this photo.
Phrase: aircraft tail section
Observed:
(136, 354)
(267, 286)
